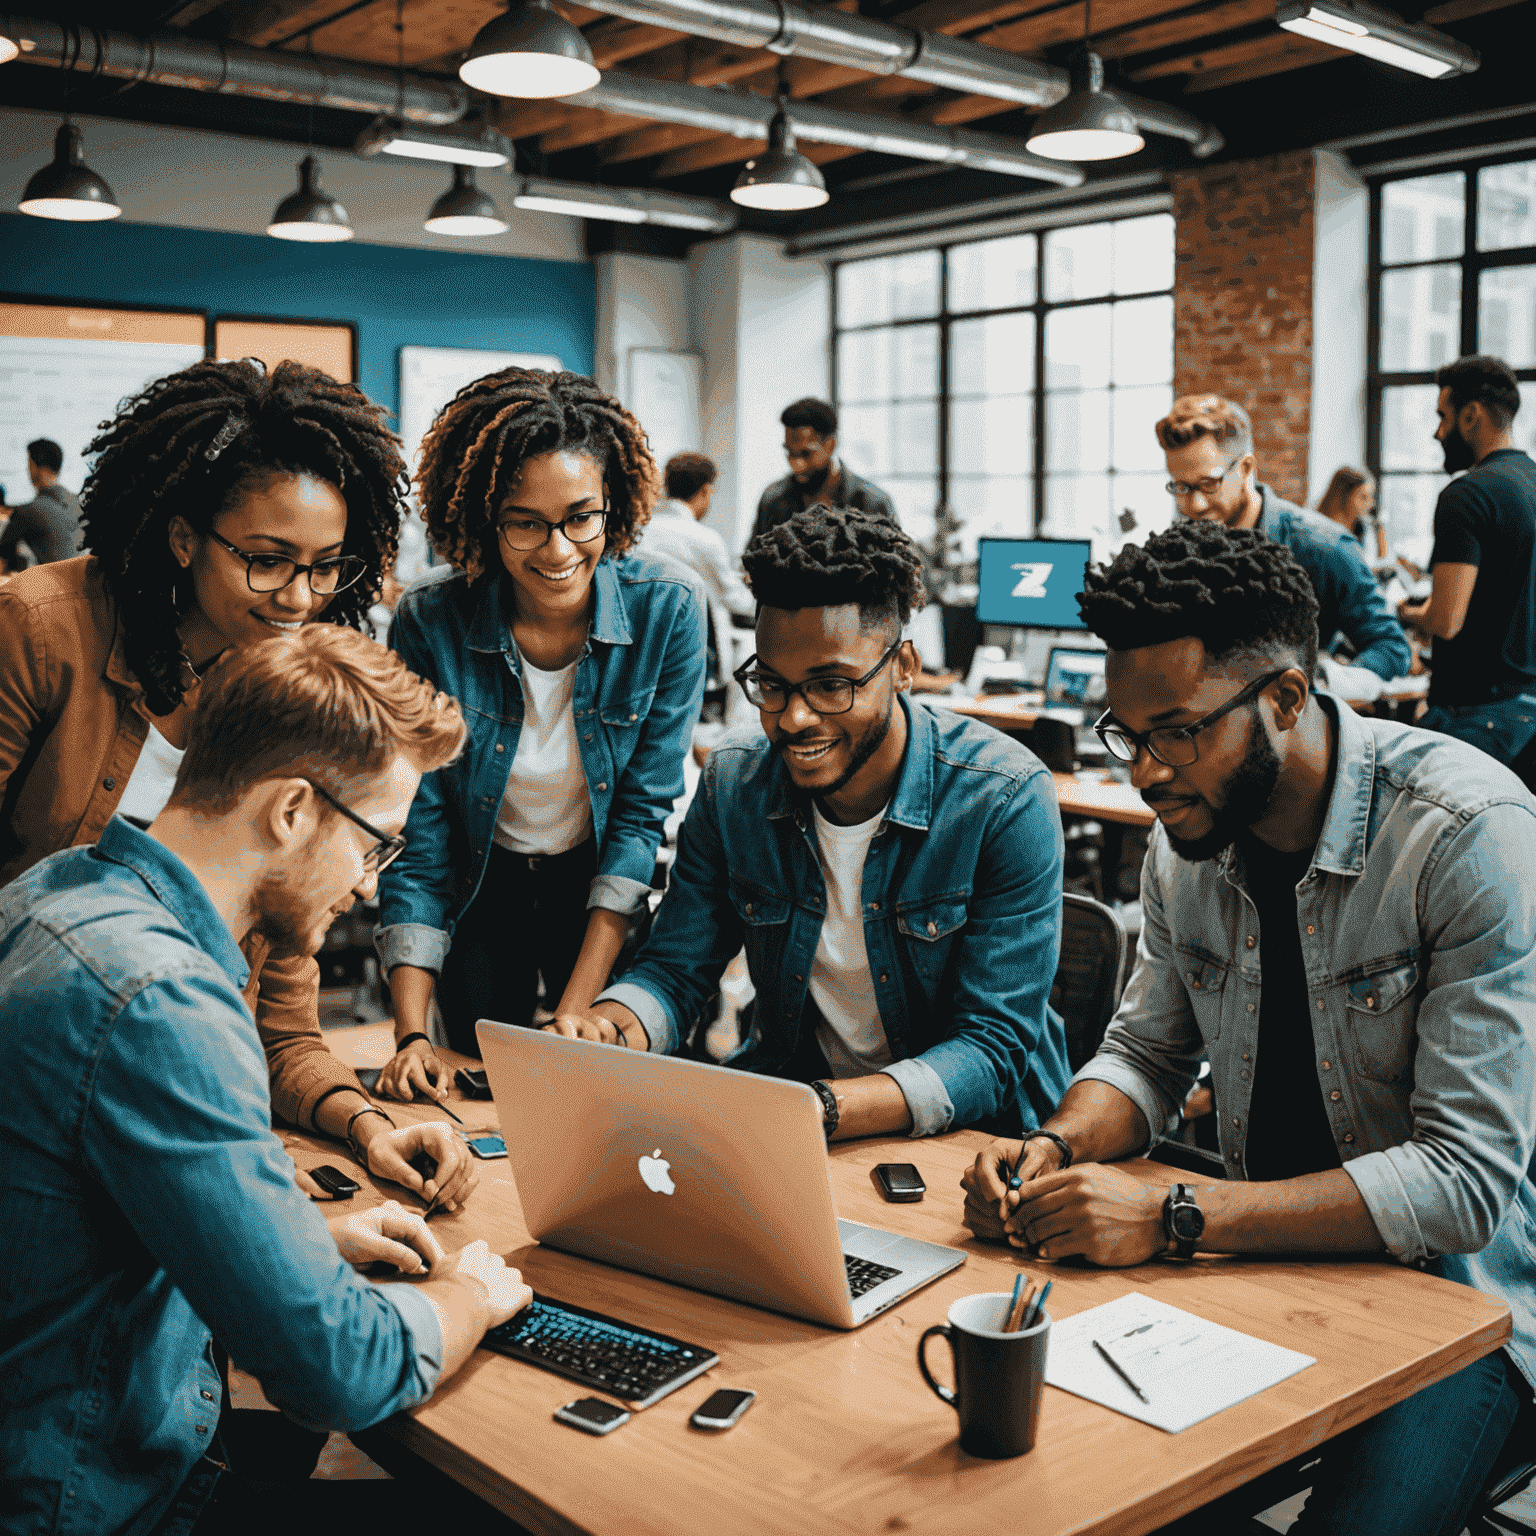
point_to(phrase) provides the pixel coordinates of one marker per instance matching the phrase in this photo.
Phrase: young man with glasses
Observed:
(1335, 913)
(1208, 446)
(893, 872)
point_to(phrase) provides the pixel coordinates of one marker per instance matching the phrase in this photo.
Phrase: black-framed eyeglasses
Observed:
(271, 573)
(1174, 746)
(822, 695)
(1207, 487)
(528, 533)
(384, 851)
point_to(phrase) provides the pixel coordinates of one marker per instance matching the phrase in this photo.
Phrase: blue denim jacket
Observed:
(1348, 597)
(639, 683)
(962, 891)
(149, 1208)
(1418, 927)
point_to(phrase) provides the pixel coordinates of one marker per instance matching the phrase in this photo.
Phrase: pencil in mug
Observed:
(1017, 1310)
(1039, 1305)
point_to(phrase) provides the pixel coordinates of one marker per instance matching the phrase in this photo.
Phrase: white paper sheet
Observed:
(1189, 1368)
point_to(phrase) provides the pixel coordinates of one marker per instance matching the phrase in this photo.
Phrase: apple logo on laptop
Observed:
(653, 1171)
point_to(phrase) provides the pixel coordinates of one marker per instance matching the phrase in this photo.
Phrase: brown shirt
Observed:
(72, 724)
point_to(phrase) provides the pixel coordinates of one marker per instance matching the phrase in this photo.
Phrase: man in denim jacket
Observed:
(1337, 912)
(895, 875)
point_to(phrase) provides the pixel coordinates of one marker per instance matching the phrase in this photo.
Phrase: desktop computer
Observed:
(1031, 583)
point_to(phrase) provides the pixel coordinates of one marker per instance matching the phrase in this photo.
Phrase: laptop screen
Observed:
(1075, 678)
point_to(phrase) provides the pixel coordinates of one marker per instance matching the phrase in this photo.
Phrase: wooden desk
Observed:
(845, 1438)
(1007, 711)
(1103, 799)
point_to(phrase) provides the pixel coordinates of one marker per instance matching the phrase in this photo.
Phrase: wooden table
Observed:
(845, 1438)
(1007, 711)
(1104, 799)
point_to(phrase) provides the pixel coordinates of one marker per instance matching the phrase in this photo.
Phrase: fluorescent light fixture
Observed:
(484, 149)
(1089, 123)
(625, 205)
(309, 214)
(464, 209)
(67, 188)
(577, 208)
(531, 51)
(1379, 34)
(781, 179)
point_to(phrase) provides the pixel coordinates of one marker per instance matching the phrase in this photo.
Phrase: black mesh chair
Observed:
(1091, 974)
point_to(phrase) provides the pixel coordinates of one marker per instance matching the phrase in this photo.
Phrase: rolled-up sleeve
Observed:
(927, 1098)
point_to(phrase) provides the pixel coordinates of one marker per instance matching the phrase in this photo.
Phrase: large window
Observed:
(1453, 268)
(1015, 381)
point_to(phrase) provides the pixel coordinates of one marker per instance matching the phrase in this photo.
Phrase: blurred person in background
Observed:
(816, 474)
(49, 524)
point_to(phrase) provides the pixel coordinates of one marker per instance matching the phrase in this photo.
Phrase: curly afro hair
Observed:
(475, 450)
(189, 446)
(823, 557)
(1237, 592)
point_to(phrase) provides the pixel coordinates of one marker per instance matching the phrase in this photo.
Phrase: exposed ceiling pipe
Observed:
(1203, 138)
(741, 115)
(172, 58)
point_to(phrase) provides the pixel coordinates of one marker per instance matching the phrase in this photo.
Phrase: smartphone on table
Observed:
(593, 1415)
(900, 1182)
(487, 1146)
(721, 1409)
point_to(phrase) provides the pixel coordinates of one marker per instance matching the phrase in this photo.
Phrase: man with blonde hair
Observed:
(1213, 477)
(155, 1209)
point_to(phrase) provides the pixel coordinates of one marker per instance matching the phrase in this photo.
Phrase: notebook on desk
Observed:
(693, 1173)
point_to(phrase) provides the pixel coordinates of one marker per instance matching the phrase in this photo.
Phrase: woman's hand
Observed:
(415, 1072)
(386, 1234)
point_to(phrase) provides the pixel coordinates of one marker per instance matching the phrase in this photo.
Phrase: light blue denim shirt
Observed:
(639, 683)
(962, 925)
(1417, 921)
(148, 1208)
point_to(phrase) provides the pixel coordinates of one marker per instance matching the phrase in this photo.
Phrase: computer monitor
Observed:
(1074, 677)
(1031, 583)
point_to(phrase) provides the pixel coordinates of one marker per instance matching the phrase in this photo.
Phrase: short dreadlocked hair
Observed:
(1241, 595)
(189, 446)
(474, 452)
(823, 557)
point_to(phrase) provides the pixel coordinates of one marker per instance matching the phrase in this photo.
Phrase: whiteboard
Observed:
(63, 388)
(664, 393)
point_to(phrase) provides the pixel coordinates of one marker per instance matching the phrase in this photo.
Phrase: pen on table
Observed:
(1121, 1372)
(1039, 1305)
(445, 1109)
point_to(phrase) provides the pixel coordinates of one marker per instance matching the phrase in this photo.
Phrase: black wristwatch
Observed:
(829, 1110)
(1183, 1221)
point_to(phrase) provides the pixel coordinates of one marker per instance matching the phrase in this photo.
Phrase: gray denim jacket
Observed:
(1418, 927)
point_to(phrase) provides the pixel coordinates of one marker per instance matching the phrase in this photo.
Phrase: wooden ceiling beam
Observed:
(586, 126)
(1208, 21)
(720, 150)
(1276, 46)
(954, 17)
(1284, 53)
(654, 139)
(614, 41)
(529, 119)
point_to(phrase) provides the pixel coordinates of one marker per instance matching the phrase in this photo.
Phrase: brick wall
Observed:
(1242, 301)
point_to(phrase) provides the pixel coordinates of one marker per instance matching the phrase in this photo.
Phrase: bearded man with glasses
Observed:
(894, 873)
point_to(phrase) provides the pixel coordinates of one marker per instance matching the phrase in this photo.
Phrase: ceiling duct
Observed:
(740, 115)
(171, 58)
(1203, 138)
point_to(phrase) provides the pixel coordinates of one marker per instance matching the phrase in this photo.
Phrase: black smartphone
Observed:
(486, 1146)
(334, 1182)
(593, 1415)
(722, 1409)
(473, 1083)
(900, 1181)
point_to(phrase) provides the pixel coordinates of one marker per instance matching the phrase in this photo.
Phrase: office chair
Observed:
(1090, 976)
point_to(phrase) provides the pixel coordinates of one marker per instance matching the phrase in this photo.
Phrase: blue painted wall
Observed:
(396, 296)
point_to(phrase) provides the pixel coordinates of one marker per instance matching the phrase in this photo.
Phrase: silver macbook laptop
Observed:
(694, 1173)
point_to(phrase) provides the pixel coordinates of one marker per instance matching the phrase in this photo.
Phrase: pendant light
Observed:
(781, 179)
(464, 209)
(9, 47)
(530, 51)
(68, 188)
(310, 214)
(1089, 123)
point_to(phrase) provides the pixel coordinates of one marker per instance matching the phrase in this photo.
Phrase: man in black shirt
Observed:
(1481, 611)
(816, 475)
(49, 525)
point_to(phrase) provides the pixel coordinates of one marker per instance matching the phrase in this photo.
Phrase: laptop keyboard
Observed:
(600, 1352)
(864, 1274)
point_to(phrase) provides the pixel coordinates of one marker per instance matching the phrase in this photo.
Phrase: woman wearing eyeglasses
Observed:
(225, 505)
(580, 668)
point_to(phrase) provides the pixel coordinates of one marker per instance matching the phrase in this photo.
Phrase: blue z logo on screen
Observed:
(1032, 580)
(1030, 583)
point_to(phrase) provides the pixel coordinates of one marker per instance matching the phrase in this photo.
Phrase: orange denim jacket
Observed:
(72, 725)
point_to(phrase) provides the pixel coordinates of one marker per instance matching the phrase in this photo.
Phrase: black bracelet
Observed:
(360, 1152)
(1061, 1143)
(830, 1113)
(410, 1039)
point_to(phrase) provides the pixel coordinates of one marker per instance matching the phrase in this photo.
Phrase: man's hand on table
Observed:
(988, 1200)
(389, 1152)
(415, 1072)
(387, 1234)
(616, 1027)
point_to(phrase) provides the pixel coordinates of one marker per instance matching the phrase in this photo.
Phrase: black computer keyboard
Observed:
(600, 1352)
(864, 1274)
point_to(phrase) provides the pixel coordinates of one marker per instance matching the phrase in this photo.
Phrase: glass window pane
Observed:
(1406, 504)
(1506, 315)
(1420, 318)
(1408, 425)
(995, 356)
(898, 364)
(1136, 411)
(1506, 206)
(1524, 429)
(1144, 254)
(995, 436)
(1423, 219)
(994, 505)
(1144, 341)
(1079, 261)
(993, 274)
(916, 497)
(904, 287)
(1077, 430)
(1077, 347)
(1077, 507)
(864, 439)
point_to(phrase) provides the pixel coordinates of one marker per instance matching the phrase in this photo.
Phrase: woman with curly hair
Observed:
(580, 667)
(225, 505)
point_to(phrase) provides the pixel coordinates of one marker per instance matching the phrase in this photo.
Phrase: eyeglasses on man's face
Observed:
(271, 573)
(385, 850)
(524, 532)
(1208, 487)
(1174, 746)
(822, 695)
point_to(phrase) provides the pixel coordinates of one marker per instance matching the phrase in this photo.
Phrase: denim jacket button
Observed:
(1252, 940)
(207, 1394)
(1370, 1002)
(634, 717)
(1320, 1003)
(749, 909)
(884, 977)
(799, 977)
(1327, 1066)
(1349, 1135)
(589, 735)
(933, 928)
(109, 783)
(1252, 1008)
(874, 906)
(501, 748)
(1335, 1095)
(601, 788)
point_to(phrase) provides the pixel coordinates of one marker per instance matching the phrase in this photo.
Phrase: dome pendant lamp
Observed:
(68, 188)
(464, 209)
(532, 52)
(310, 214)
(781, 180)
(1089, 123)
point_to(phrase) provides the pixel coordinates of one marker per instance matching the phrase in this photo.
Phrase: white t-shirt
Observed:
(853, 1038)
(154, 776)
(546, 807)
